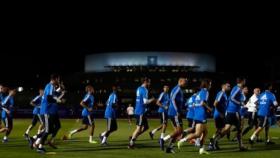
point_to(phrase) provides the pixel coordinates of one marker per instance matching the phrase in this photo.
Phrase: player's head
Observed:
(41, 91)
(245, 90)
(257, 91)
(55, 79)
(226, 87)
(182, 82)
(89, 89)
(114, 88)
(241, 81)
(12, 92)
(5, 89)
(146, 81)
(165, 88)
(205, 83)
(269, 86)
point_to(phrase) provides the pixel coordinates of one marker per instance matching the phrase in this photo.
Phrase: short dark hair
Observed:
(204, 83)
(145, 79)
(54, 76)
(268, 86)
(240, 79)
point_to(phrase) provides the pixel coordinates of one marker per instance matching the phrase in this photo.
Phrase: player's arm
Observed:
(115, 102)
(204, 102)
(159, 100)
(173, 97)
(146, 100)
(83, 103)
(234, 95)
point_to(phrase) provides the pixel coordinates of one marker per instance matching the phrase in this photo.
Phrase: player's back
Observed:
(176, 101)
(266, 100)
(235, 97)
(141, 94)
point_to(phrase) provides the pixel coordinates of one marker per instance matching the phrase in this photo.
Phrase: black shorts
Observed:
(200, 122)
(191, 123)
(141, 120)
(233, 119)
(176, 121)
(163, 117)
(252, 119)
(130, 116)
(36, 118)
(8, 122)
(263, 121)
(88, 120)
(112, 124)
(219, 122)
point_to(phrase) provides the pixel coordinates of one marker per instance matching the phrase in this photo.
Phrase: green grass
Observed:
(79, 147)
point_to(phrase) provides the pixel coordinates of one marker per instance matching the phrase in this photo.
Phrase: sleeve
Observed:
(235, 92)
(86, 98)
(219, 96)
(160, 97)
(204, 96)
(173, 97)
(273, 99)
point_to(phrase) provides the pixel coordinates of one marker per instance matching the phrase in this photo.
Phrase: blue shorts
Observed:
(88, 120)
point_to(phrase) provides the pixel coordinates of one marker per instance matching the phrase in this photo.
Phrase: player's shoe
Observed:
(151, 135)
(26, 136)
(179, 144)
(104, 144)
(92, 142)
(170, 150)
(243, 148)
(269, 143)
(41, 150)
(5, 140)
(251, 141)
(52, 145)
(202, 151)
(100, 137)
(30, 142)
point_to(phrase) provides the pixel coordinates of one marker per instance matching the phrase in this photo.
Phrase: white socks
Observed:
(73, 132)
(161, 135)
(154, 131)
(166, 138)
(90, 138)
(104, 140)
(103, 134)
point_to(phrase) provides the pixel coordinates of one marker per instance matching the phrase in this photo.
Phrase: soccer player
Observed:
(266, 101)
(175, 115)
(190, 115)
(220, 105)
(53, 112)
(252, 111)
(48, 99)
(7, 106)
(130, 113)
(110, 115)
(36, 102)
(87, 103)
(162, 102)
(243, 111)
(233, 115)
(140, 111)
(200, 117)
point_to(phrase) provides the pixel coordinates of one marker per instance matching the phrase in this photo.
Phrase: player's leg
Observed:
(30, 127)
(262, 124)
(84, 126)
(250, 124)
(91, 129)
(162, 118)
(177, 121)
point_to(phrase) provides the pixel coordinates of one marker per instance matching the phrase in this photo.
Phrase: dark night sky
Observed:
(229, 46)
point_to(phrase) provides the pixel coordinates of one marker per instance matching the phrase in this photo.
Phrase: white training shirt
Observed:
(130, 110)
(251, 104)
